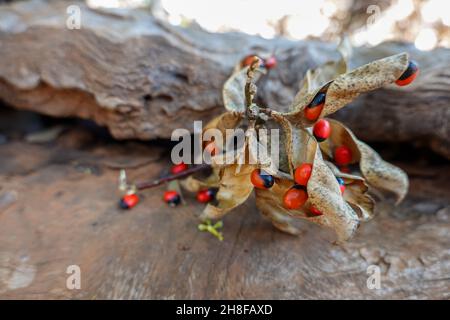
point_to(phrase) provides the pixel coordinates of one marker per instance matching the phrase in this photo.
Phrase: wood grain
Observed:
(65, 212)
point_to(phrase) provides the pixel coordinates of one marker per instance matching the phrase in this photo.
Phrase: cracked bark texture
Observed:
(142, 78)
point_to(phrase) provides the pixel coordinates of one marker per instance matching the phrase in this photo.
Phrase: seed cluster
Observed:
(281, 191)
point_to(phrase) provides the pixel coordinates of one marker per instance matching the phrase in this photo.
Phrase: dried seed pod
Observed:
(318, 194)
(377, 172)
(341, 86)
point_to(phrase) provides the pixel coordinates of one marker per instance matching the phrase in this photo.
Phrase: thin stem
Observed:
(151, 184)
(250, 87)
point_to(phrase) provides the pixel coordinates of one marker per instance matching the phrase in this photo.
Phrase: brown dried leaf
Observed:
(377, 172)
(348, 86)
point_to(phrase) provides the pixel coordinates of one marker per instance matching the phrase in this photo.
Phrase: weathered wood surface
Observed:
(142, 78)
(58, 207)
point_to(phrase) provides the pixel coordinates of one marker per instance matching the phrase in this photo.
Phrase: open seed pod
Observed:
(356, 193)
(341, 88)
(378, 173)
(322, 189)
(340, 206)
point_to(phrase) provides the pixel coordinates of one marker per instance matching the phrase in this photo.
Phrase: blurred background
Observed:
(368, 22)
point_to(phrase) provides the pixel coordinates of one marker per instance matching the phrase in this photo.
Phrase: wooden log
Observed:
(142, 78)
(58, 208)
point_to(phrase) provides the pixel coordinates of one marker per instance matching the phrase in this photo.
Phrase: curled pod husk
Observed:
(316, 78)
(234, 189)
(223, 122)
(325, 195)
(193, 184)
(234, 175)
(356, 193)
(322, 188)
(378, 173)
(347, 86)
(270, 204)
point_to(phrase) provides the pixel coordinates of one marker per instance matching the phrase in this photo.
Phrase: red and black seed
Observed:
(172, 198)
(261, 180)
(409, 75)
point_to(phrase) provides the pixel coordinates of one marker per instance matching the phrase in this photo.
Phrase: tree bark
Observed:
(142, 78)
